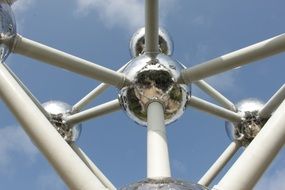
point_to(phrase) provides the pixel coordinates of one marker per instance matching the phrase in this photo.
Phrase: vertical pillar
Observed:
(151, 26)
(157, 150)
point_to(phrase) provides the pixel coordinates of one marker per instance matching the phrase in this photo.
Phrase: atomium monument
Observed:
(154, 90)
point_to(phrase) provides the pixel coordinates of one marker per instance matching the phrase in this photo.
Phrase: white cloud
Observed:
(124, 13)
(273, 181)
(13, 142)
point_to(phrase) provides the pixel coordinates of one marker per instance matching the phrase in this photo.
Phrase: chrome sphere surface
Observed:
(10, 2)
(154, 79)
(249, 105)
(137, 42)
(246, 130)
(163, 184)
(7, 28)
(57, 111)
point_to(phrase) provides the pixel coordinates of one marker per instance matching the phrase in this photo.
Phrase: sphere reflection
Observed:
(137, 42)
(154, 79)
(7, 28)
(57, 111)
(246, 130)
(249, 105)
(163, 184)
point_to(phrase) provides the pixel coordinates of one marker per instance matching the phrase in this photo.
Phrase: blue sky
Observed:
(99, 31)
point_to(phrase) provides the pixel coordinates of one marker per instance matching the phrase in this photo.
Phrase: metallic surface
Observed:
(163, 184)
(154, 79)
(7, 29)
(57, 110)
(137, 42)
(256, 158)
(247, 129)
(10, 2)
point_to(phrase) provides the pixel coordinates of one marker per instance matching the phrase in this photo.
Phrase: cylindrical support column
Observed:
(214, 109)
(96, 171)
(215, 95)
(158, 165)
(272, 103)
(234, 59)
(250, 166)
(215, 169)
(66, 61)
(28, 92)
(89, 97)
(97, 111)
(151, 26)
(69, 166)
(93, 94)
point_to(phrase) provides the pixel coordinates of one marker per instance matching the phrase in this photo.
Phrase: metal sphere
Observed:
(7, 28)
(163, 184)
(57, 111)
(246, 130)
(249, 105)
(154, 79)
(137, 42)
(10, 2)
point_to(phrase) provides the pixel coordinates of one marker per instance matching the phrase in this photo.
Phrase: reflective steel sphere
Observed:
(10, 2)
(7, 28)
(57, 111)
(163, 184)
(246, 130)
(154, 79)
(249, 105)
(137, 42)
